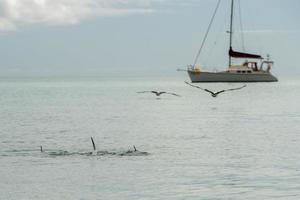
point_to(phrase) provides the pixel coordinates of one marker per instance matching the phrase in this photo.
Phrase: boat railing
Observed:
(268, 63)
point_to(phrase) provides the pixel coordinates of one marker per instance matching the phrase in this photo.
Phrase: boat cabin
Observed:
(243, 69)
(251, 65)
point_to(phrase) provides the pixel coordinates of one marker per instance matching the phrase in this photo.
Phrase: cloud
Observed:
(62, 12)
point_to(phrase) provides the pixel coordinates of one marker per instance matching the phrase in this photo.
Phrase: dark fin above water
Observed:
(93, 144)
(134, 148)
(41, 147)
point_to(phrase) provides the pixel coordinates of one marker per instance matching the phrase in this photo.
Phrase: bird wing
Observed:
(173, 94)
(196, 86)
(158, 93)
(234, 88)
(216, 93)
(211, 92)
(206, 90)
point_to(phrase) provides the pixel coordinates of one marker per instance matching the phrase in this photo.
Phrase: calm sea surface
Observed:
(244, 144)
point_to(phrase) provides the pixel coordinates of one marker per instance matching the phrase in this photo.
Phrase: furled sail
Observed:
(237, 54)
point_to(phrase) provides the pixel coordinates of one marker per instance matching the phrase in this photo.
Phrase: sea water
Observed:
(244, 144)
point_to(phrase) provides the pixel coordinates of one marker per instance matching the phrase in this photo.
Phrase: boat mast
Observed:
(231, 31)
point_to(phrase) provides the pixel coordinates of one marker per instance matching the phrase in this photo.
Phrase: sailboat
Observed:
(256, 70)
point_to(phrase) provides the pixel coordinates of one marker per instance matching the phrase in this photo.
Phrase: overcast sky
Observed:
(134, 37)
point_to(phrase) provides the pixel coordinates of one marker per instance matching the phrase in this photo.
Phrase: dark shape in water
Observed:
(93, 144)
(134, 152)
(60, 153)
(97, 153)
(215, 94)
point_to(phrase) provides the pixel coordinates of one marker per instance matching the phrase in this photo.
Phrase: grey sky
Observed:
(111, 37)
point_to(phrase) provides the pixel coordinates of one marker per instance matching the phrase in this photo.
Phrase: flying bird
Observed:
(215, 94)
(157, 93)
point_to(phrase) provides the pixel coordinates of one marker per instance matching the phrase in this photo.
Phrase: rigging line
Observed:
(241, 25)
(206, 34)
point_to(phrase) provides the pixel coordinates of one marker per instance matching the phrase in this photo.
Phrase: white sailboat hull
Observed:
(231, 77)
